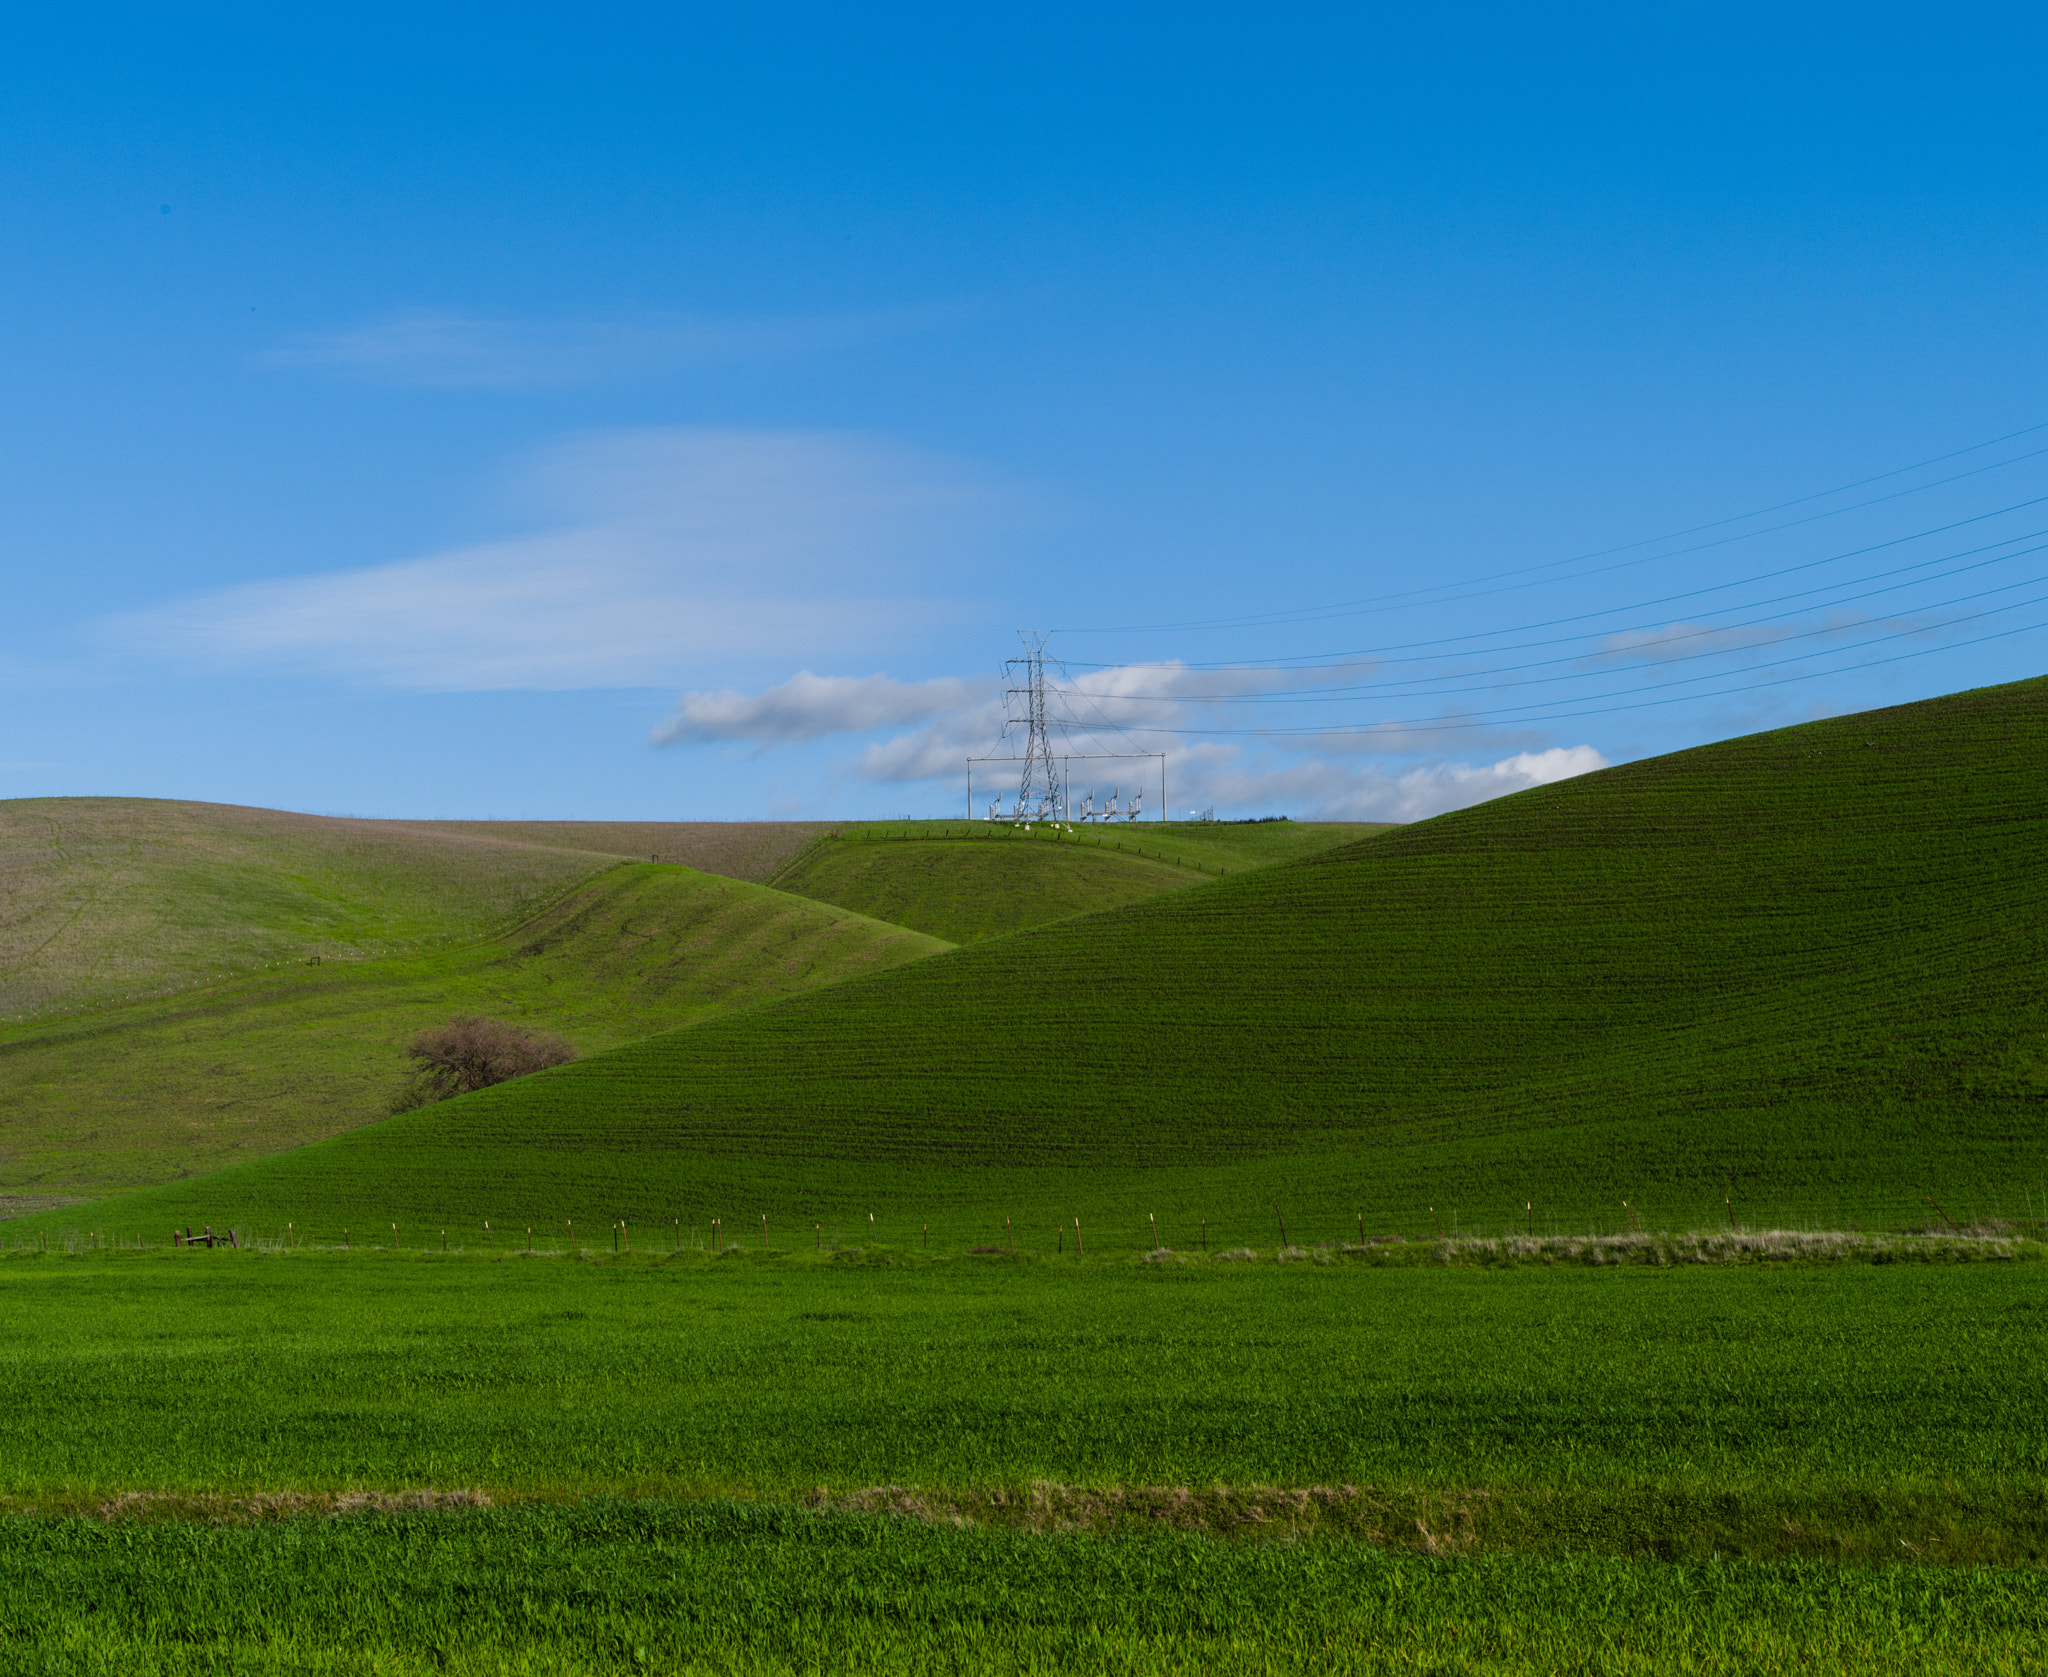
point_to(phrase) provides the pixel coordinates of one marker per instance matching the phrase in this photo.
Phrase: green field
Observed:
(1018, 1465)
(159, 1090)
(1793, 978)
(1687, 1410)
(709, 1588)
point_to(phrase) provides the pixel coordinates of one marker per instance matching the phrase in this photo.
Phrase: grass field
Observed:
(158, 1090)
(710, 1588)
(1796, 977)
(1776, 1412)
(107, 899)
(768, 1464)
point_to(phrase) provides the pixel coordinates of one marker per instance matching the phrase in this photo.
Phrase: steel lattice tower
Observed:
(1038, 789)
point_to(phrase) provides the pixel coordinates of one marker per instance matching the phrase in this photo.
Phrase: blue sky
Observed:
(677, 412)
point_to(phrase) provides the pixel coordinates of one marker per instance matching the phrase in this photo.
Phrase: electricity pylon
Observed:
(1038, 789)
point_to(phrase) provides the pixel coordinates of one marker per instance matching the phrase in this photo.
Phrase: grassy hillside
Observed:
(750, 850)
(1216, 847)
(224, 1069)
(963, 882)
(103, 899)
(1801, 971)
(164, 1089)
(964, 890)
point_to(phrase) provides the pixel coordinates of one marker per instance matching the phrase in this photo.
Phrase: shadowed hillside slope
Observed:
(1801, 971)
(158, 1090)
(102, 899)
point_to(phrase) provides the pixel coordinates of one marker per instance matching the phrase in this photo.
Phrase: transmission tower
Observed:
(1038, 789)
(1042, 790)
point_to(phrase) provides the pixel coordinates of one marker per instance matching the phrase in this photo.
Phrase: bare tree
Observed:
(473, 1053)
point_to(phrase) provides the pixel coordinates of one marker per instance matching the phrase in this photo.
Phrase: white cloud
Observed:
(673, 547)
(940, 750)
(1168, 696)
(1318, 788)
(1320, 778)
(1134, 693)
(807, 707)
(439, 349)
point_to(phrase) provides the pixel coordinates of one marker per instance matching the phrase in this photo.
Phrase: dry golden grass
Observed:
(750, 850)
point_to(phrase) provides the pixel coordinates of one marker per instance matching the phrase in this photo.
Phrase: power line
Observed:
(1464, 588)
(1310, 660)
(1769, 626)
(1486, 719)
(1336, 695)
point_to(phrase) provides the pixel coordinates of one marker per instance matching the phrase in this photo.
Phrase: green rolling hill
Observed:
(286, 959)
(964, 882)
(166, 1088)
(750, 850)
(1797, 975)
(107, 899)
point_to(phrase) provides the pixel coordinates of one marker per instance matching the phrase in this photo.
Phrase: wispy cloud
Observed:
(1676, 641)
(673, 548)
(940, 749)
(1316, 777)
(1133, 692)
(448, 350)
(808, 707)
(1160, 705)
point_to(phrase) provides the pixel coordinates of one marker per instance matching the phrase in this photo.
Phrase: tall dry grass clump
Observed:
(1725, 1246)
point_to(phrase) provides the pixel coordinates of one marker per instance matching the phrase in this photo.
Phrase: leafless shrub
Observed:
(472, 1053)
